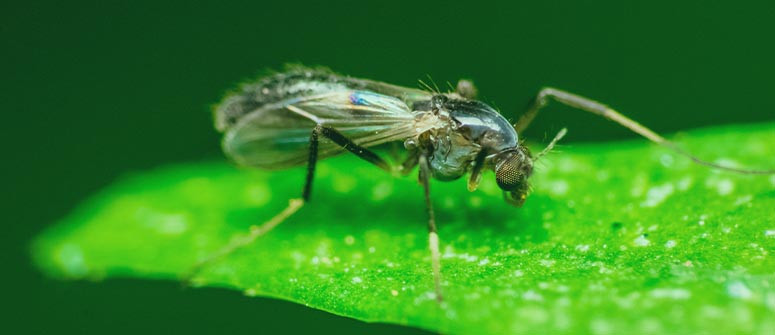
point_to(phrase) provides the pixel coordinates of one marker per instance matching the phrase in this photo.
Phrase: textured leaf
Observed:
(615, 238)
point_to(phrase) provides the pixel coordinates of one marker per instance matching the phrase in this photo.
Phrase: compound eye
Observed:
(509, 174)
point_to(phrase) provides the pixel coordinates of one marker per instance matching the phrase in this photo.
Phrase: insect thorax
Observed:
(468, 128)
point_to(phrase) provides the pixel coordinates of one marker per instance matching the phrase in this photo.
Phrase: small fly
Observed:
(304, 115)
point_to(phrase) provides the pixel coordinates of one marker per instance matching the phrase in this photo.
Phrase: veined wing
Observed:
(301, 82)
(276, 135)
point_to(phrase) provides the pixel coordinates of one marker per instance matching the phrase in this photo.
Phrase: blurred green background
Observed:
(92, 90)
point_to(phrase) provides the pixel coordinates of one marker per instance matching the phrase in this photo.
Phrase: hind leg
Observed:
(294, 205)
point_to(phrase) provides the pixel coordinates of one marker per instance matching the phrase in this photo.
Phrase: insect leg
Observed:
(346, 143)
(338, 138)
(241, 241)
(410, 162)
(594, 107)
(476, 171)
(433, 236)
(256, 231)
(294, 204)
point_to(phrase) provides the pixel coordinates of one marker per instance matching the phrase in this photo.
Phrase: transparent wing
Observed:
(276, 135)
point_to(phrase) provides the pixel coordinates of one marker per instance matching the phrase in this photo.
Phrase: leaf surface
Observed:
(622, 237)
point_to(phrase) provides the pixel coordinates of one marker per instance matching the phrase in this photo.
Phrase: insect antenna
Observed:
(434, 84)
(451, 88)
(425, 86)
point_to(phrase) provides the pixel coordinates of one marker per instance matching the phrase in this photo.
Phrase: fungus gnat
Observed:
(304, 115)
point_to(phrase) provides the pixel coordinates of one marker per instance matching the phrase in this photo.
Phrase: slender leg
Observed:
(594, 107)
(476, 171)
(433, 236)
(241, 241)
(294, 204)
(338, 138)
(410, 162)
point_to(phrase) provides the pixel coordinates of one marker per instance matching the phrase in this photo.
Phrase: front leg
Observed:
(600, 109)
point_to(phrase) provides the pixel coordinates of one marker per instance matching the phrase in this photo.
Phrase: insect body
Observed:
(303, 115)
(268, 125)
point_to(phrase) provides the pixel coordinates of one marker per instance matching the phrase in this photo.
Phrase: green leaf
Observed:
(615, 238)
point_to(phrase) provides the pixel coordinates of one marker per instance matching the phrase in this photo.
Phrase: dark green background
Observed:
(91, 91)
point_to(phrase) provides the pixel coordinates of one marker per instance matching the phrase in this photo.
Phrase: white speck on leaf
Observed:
(725, 187)
(559, 187)
(642, 241)
(743, 200)
(449, 252)
(671, 293)
(381, 191)
(638, 185)
(685, 183)
(769, 233)
(739, 290)
(532, 296)
(349, 240)
(357, 280)
(667, 160)
(582, 247)
(670, 244)
(657, 194)
(161, 222)
(601, 326)
(173, 224)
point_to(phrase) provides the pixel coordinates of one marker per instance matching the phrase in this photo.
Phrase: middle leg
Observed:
(433, 236)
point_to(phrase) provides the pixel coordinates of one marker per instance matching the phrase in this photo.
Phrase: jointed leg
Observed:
(294, 204)
(592, 106)
(241, 241)
(476, 171)
(341, 140)
(410, 162)
(433, 236)
(584, 104)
